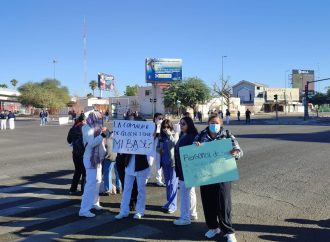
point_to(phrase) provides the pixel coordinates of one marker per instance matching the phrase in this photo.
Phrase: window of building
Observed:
(148, 92)
(258, 88)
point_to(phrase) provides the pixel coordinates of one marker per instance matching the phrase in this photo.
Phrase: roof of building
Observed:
(251, 83)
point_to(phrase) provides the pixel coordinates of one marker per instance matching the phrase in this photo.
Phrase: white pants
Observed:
(3, 124)
(227, 119)
(188, 202)
(141, 177)
(153, 161)
(11, 122)
(91, 190)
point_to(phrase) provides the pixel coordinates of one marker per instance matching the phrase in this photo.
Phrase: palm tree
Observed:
(93, 85)
(14, 83)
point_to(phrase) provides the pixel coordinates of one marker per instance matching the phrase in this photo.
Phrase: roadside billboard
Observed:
(288, 94)
(105, 81)
(163, 70)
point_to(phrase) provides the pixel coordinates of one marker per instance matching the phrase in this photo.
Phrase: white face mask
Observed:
(215, 128)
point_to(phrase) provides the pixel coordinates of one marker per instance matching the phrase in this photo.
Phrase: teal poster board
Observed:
(209, 163)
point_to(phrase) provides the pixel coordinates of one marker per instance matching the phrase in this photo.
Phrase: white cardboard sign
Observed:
(133, 137)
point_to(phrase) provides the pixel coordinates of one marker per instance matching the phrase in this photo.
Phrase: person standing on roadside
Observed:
(42, 117)
(3, 120)
(11, 120)
(46, 116)
(93, 138)
(227, 116)
(247, 116)
(155, 157)
(75, 138)
(216, 198)
(188, 210)
(166, 147)
(238, 115)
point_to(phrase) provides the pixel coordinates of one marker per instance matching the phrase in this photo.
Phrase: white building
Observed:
(247, 91)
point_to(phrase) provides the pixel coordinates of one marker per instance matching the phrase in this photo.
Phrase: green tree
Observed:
(46, 94)
(131, 90)
(171, 95)
(89, 95)
(14, 83)
(193, 91)
(3, 86)
(93, 86)
(319, 99)
(190, 92)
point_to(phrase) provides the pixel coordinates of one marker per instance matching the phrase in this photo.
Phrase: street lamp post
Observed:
(222, 81)
(54, 62)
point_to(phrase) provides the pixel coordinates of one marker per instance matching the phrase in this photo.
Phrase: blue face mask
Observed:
(214, 128)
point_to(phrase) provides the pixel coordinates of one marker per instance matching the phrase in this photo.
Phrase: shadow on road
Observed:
(321, 137)
(288, 233)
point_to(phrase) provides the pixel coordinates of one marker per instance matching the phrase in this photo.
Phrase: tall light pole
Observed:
(54, 62)
(222, 81)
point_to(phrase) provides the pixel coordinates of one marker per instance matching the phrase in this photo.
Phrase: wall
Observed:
(245, 91)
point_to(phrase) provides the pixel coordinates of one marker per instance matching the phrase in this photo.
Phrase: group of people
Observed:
(43, 115)
(134, 171)
(10, 117)
(220, 113)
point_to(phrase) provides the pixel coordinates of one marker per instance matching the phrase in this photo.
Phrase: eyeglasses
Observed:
(183, 124)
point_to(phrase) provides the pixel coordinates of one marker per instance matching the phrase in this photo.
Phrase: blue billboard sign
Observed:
(163, 70)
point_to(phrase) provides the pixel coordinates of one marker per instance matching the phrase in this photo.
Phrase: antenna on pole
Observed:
(85, 56)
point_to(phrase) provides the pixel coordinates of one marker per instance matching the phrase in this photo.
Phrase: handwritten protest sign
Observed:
(209, 163)
(133, 137)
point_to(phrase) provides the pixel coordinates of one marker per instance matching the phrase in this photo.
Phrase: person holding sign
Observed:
(216, 198)
(137, 169)
(93, 137)
(166, 147)
(187, 195)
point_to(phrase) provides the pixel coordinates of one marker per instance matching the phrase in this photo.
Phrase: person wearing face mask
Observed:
(166, 146)
(155, 157)
(187, 194)
(93, 140)
(216, 198)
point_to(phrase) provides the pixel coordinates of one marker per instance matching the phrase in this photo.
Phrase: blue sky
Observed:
(262, 39)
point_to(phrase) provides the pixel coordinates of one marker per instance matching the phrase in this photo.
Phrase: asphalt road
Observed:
(282, 195)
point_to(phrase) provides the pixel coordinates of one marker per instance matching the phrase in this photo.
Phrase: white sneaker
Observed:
(160, 184)
(138, 216)
(181, 222)
(194, 217)
(98, 207)
(212, 232)
(231, 238)
(87, 214)
(121, 216)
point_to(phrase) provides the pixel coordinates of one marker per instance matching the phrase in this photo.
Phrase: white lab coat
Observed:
(93, 175)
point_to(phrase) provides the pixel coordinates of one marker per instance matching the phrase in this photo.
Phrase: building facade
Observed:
(247, 91)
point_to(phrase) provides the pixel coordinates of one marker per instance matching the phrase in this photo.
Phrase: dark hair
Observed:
(165, 122)
(191, 126)
(156, 115)
(186, 114)
(215, 116)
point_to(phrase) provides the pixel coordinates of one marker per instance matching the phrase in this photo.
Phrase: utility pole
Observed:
(222, 81)
(276, 105)
(54, 62)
